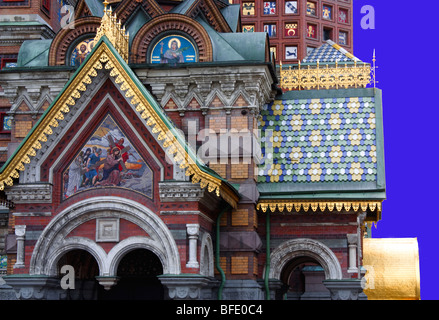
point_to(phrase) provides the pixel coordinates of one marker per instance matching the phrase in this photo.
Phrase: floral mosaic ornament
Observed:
(3, 262)
(319, 140)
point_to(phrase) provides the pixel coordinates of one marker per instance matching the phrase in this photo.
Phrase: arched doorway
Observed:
(86, 269)
(304, 277)
(303, 264)
(137, 272)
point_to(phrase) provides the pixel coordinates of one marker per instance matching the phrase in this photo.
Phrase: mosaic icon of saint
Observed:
(82, 54)
(174, 54)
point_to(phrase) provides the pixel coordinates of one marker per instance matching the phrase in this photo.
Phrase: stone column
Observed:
(193, 231)
(352, 242)
(20, 233)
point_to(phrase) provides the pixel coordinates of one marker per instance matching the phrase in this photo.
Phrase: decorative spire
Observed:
(111, 28)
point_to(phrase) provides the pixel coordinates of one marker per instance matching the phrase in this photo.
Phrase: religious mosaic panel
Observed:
(108, 159)
(81, 52)
(173, 49)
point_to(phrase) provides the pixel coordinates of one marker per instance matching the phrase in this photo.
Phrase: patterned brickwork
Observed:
(239, 171)
(221, 169)
(239, 265)
(22, 128)
(240, 217)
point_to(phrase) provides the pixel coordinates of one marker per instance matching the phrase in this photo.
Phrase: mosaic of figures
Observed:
(108, 159)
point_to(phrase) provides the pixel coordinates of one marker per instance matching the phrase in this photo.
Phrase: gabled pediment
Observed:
(105, 58)
(85, 8)
(208, 10)
(127, 8)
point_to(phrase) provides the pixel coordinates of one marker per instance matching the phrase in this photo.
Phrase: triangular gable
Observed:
(126, 8)
(104, 55)
(85, 8)
(207, 8)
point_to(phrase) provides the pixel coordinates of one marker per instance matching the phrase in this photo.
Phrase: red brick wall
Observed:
(316, 226)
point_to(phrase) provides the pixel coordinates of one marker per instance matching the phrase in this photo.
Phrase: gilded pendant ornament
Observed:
(298, 205)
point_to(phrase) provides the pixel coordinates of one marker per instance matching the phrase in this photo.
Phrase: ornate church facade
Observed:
(157, 152)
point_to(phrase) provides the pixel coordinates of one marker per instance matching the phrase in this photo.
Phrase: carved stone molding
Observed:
(34, 288)
(182, 191)
(30, 193)
(294, 248)
(33, 89)
(190, 287)
(346, 289)
(252, 83)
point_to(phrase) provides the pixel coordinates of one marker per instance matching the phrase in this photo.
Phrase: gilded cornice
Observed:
(282, 206)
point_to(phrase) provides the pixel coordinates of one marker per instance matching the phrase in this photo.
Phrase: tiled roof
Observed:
(329, 52)
(319, 140)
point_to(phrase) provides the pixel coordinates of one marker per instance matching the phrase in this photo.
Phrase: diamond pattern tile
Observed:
(319, 140)
(329, 52)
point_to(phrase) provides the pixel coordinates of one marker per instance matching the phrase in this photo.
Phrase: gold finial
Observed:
(111, 28)
(373, 71)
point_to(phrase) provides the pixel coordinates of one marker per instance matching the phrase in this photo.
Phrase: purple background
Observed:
(404, 38)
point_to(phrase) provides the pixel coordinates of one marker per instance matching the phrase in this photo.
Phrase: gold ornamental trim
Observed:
(321, 205)
(320, 76)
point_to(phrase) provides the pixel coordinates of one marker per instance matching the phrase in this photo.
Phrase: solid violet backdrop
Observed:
(404, 39)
